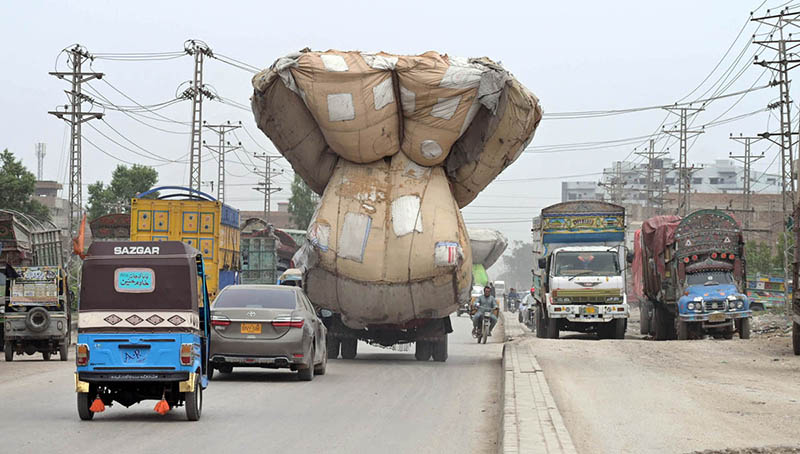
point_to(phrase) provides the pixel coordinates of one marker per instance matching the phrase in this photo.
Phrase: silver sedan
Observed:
(270, 326)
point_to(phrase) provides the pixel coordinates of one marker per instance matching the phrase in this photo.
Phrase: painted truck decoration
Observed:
(395, 145)
(693, 278)
(578, 269)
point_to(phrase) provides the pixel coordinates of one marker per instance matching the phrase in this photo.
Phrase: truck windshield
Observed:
(709, 278)
(597, 263)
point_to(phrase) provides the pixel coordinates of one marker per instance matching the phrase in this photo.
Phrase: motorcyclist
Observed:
(485, 306)
(528, 306)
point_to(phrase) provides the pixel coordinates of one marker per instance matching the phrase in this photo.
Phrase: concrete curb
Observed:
(531, 421)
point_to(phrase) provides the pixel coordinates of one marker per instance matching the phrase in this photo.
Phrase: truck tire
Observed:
(8, 349)
(63, 351)
(83, 407)
(644, 317)
(349, 348)
(439, 350)
(665, 324)
(46, 356)
(743, 326)
(422, 350)
(194, 401)
(683, 330)
(333, 344)
(795, 338)
(38, 319)
(551, 328)
(620, 326)
(540, 325)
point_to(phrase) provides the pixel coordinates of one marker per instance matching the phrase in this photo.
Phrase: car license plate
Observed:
(251, 328)
(716, 317)
(589, 310)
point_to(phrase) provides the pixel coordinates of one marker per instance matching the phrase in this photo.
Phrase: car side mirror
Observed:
(629, 257)
(542, 263)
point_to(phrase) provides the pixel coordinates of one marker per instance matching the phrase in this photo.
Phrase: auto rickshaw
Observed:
(142, 327)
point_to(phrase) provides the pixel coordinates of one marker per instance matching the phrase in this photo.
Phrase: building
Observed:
(279, 219)
(46, 192)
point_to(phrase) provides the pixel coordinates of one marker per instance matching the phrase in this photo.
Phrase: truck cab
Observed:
(712, 302)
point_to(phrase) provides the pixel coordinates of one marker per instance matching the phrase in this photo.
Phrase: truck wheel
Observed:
(46, 356)
(333, 344)
(38, 319)
(795, 338)
(743, 326)
(540, 325)
(665, 324)
(683, 330)
(620, 326)
(551, 328)
(349, 348)
(644, 318)
(439, 350)
(194, 401)
(8, 348)
(422, 350)
(83, 407)
(63, 351)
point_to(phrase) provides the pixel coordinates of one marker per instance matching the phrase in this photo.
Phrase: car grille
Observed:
(716, 305)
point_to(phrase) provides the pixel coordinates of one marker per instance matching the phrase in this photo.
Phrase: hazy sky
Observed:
(576, 56)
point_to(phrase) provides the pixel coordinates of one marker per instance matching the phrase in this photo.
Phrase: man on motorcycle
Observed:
(527, 307)
(485, 306)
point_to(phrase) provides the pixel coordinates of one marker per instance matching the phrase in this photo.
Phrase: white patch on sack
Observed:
(406, 217)
(334, 63)
(430, 149)
(414, 170)
(409, 100)
(340, 107)
(447, 253)
(473, 110)
(461, 75)
(319, 235)
(354, 235)
(445, 107)
(383, 93)
(380, 61)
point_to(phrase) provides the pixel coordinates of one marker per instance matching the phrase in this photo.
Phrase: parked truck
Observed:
(579, 252)
(693, 276)
(198, 220)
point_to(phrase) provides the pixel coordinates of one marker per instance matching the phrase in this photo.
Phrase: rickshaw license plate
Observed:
(717, 317)
(589, 310)
(251, 328)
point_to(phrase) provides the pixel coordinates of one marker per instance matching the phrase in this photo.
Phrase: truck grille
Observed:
(716, 305)
(587, 300)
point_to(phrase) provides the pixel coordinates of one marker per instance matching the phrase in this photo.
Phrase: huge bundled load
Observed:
(487, 246)
(395, 145)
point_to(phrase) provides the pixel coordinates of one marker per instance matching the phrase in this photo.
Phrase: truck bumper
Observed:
(581, 313)
(715, 316)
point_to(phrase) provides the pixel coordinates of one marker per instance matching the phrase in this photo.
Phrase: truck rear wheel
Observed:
(439, 350)
(683, 330)
(620, 326)
(644, 317)
(665, 324)
(796, 338)
(540, 325)
(552, 328)
(349, 348)
(333, 346)
(743, 326)
(422, 350)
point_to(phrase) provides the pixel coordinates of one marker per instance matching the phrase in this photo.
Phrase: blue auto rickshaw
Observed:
(142, 327)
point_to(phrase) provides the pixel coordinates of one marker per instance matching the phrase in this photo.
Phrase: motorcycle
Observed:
(481, 333)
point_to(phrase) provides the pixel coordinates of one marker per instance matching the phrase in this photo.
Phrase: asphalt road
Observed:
(384, 401)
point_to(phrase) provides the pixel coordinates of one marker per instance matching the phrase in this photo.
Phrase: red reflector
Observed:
(297, 355)
(731, 256)
(686, 260)
(288, 323)
(714, 255)
(694, 257)
(724, 255)
(186, 354)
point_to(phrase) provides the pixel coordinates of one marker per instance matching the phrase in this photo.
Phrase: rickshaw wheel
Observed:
(194, 401)
(83, 407)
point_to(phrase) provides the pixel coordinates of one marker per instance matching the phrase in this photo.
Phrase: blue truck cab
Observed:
(142, 327)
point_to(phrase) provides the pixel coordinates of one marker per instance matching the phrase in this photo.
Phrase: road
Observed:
(384, 401)
(641, 396)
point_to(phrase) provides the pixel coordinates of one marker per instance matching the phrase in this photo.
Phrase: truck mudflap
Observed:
(715, 316)
(588, 313)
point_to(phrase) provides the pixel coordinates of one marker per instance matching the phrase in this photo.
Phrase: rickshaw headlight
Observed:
(186, 354)
(81, 354)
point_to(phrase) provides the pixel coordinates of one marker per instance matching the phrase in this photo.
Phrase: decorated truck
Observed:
(693, 277)
(579, 256)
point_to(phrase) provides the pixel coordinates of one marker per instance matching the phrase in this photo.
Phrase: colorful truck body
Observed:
(196, 219)
(693, 276)
(579, 250)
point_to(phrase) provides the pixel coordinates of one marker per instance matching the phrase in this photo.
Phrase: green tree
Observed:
(759, 257)
(777, 260)
(116, 197)
(17, 186)
(302, 203)
(518, 265)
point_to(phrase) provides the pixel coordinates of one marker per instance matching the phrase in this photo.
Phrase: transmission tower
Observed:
(74, 115)
(196, 92)
(653, 161)
(41, 151)
(785, 61)
(684, 174)
(746, 159)
(266, 186)
(221, 149)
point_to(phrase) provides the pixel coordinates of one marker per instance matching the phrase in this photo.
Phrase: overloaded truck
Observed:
(579, 255)
(395, 145)
(693, 277)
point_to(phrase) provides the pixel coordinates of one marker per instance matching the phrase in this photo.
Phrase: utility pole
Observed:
(221, 149)
(196, 92)
(266, 186)
(74, 115)
(785, 61)
(746, 159)
(615, 186)
(41, 151)
(684, 173)
(652, 157)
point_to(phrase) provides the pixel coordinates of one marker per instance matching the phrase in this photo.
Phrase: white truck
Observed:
(579, 269)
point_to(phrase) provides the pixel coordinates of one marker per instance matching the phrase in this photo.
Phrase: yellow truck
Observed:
(197, 219)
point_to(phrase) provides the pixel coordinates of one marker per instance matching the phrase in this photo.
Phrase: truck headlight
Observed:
(613, 299)
(562, 300)
(690, 306)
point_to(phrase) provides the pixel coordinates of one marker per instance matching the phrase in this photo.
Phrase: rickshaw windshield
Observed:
(137, 284)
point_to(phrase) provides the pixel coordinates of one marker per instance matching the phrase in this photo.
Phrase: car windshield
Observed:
(259, 298)
(597, 263)
(709, 278)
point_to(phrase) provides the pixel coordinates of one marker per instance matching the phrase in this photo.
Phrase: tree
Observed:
(302, 203)
(518, 265)
(759, 257)
(17, 186)
(125, 184)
